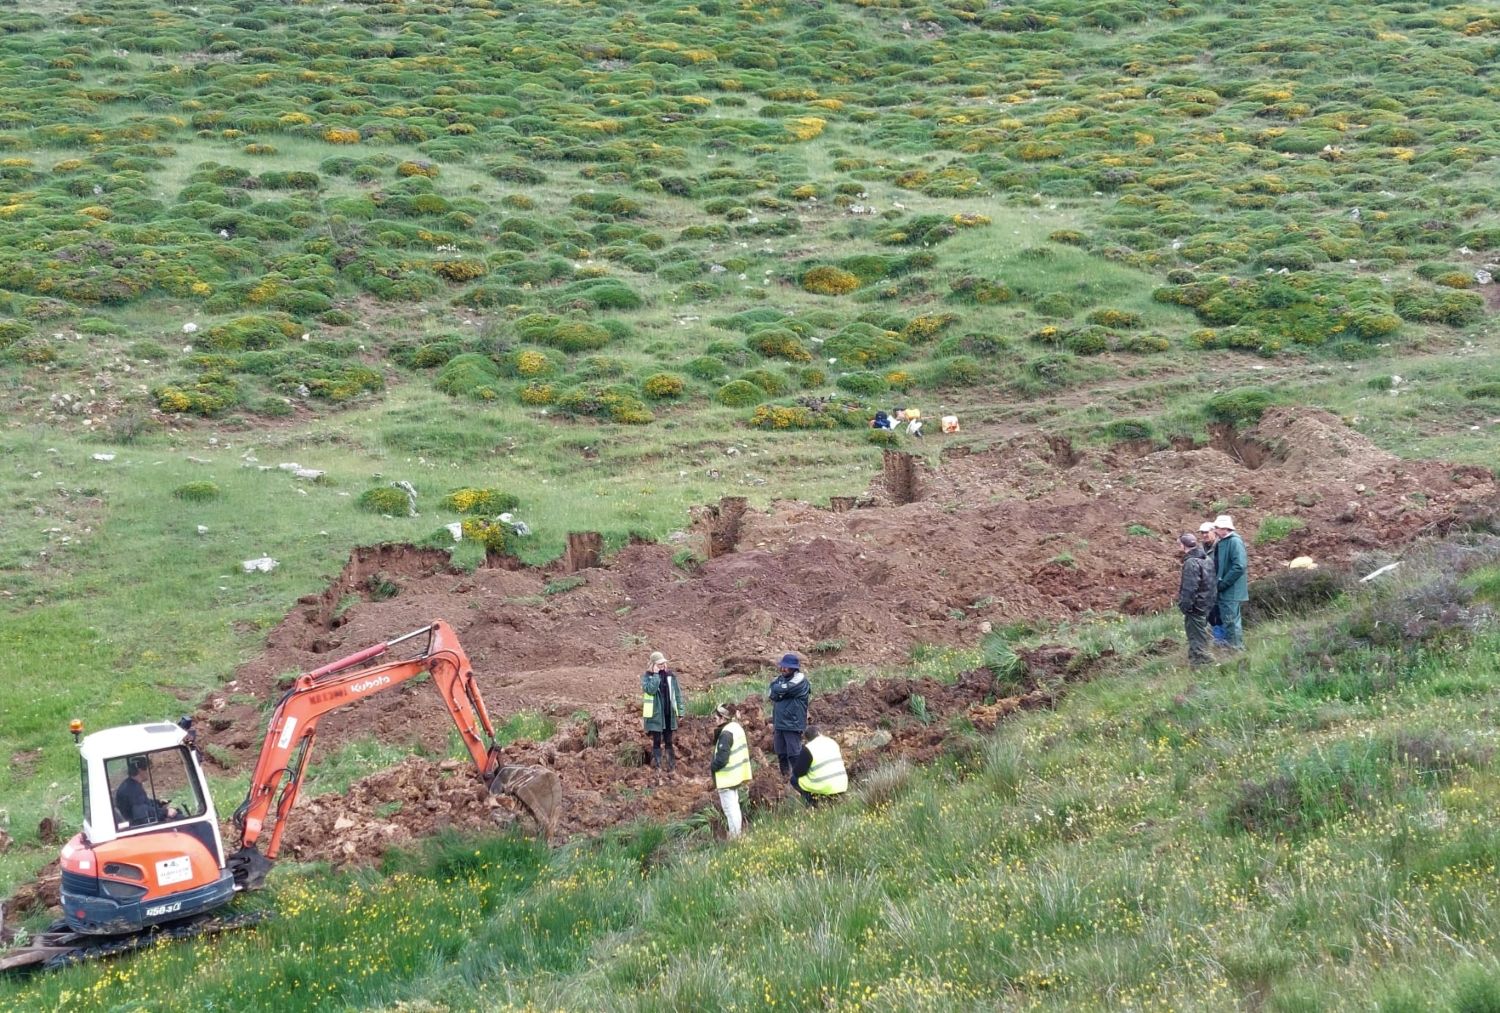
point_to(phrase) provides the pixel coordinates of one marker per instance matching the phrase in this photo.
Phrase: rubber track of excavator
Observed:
(60, 947)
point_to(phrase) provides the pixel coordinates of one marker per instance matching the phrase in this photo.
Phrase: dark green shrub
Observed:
(956, 371)
(1092, 340)
(866, 384)
(706, 367)
(740, 394)
(470, 375)
(1239, 406)
(779, 343)
(862, 344)
(1055, 304)
(383, 499)
(981, 291)
(1145, 344)
(767, 381)
(1130, 429)
(197, 492)
(250, 332)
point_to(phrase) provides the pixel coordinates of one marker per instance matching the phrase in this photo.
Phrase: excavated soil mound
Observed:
(1030, 529)
(603, 763)
(1034, 528)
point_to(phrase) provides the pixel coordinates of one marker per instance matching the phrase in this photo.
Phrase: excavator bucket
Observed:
(536, 788)
(250, 868)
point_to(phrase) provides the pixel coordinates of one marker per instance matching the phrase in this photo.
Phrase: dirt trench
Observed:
(603, 762)
(1031, 529)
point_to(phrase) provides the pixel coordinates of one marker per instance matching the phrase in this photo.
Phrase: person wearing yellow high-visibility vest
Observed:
(818, 772)
(730, 765)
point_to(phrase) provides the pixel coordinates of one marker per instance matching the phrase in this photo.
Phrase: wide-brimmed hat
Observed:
(658, 658)
(1205, 527)
(789, 660)
(1224, 521)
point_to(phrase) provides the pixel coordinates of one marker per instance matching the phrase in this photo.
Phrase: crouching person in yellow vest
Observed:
(818, 772)
(730, 765)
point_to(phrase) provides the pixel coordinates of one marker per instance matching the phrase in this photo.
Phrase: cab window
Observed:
(153, 787)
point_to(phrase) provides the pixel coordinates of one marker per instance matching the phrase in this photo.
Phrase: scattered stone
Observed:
(262, 564)
(202, 529)
(411, 497)
(189, 328)
(1387, 568)
(104, 457)
(343, 823)
(1483, 277)
(456, 529)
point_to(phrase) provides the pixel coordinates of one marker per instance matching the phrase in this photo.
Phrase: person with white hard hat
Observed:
(1231, 567)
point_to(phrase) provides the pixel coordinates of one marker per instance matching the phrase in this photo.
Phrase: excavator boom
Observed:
(287, 747)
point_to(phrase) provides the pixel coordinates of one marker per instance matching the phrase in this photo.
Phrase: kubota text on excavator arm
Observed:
(289, 736)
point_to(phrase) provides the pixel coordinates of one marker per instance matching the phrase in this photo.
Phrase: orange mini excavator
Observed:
(150, 853)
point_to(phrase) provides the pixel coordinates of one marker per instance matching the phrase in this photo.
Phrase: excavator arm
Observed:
(294, 723)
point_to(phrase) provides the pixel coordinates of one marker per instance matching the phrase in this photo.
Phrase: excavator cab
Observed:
(150, 849)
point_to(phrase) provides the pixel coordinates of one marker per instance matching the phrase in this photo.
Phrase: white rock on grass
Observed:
(104, 457)
(456, 529)
(264, 564)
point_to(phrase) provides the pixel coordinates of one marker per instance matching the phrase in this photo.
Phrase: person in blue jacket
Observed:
(1231, 567)
(788, 694)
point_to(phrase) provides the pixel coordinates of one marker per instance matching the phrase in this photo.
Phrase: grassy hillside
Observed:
(1307, 830)
(621, 260)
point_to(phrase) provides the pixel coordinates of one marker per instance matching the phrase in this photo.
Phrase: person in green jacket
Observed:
(661, 706)
(1231, 567)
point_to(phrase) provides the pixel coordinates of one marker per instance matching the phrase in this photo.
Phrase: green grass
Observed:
(1317, 851)
(1147, 175)
(1276, 529)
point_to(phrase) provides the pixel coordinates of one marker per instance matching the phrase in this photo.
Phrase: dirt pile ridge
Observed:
(1031, 529)
(603, 763)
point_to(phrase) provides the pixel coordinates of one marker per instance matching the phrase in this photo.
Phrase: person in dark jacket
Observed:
(134, 802)
(661, 705)
(1195, 596)
(788, 694)
(1231, 570)
(1206, 538)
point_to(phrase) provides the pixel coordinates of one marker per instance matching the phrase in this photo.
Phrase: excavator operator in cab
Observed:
(136, 806)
